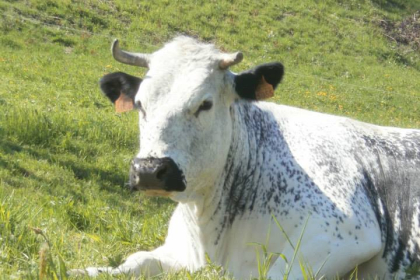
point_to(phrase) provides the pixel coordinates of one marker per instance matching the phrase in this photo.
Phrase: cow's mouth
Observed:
(156, 176)
(161, 193)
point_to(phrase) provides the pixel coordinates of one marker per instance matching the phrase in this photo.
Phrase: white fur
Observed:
(184, 74)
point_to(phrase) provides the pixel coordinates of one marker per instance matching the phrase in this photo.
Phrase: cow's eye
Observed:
(139, 107)
(205, 106)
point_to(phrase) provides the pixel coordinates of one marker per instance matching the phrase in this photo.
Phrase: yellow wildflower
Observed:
(333, 97)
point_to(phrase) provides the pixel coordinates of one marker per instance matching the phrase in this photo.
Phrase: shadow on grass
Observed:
(14, 167)
(400, 7)
(84, 173)
(398, 58)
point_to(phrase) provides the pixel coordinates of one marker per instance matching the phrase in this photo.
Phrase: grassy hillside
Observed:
(64, 153)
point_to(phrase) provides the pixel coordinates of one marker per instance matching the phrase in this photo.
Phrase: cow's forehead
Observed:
(183, 69)
(185, 52)
(176, 88)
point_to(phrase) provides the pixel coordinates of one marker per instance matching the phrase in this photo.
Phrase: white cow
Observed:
(238, 166)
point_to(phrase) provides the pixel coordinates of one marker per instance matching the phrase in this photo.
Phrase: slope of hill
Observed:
(64, 153)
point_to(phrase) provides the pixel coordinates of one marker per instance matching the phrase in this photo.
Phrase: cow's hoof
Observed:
(77, 272)
(89, 271)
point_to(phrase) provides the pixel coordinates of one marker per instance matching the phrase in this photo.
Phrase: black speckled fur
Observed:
(386, 190)
(396, 183)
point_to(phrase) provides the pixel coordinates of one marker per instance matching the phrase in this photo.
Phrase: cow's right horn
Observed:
(230, 60)
(136, 59)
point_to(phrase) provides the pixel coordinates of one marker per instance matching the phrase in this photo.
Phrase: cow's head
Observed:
(184, 106)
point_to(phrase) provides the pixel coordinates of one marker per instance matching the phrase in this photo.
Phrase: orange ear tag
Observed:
(264, 90)
(124, 103)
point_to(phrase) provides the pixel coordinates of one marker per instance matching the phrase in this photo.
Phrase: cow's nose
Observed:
(156, 174)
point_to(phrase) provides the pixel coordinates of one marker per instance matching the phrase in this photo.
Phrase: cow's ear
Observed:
(121, 89)
(260, 82)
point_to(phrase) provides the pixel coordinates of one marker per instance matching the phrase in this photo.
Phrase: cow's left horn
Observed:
(230, 59)
(136, 59)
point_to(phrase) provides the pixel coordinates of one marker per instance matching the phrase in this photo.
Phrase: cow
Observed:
(255, 179)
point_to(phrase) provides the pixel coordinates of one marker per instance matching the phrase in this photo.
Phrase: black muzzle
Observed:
(156, 174)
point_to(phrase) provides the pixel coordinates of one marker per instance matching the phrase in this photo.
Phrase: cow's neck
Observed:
(255, 131)
(235, 193)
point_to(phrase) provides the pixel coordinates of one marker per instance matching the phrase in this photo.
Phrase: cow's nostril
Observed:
(156, 174)
(161, 173)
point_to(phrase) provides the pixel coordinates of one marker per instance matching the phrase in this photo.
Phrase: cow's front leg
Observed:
(141, 263)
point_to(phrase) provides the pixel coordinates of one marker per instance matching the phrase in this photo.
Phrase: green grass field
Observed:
(64, 153)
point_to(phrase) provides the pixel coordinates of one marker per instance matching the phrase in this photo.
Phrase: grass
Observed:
(64, 153)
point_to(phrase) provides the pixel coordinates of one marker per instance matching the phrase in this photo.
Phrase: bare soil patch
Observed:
(405, 32)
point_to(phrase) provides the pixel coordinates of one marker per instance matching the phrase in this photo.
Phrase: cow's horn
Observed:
(230, 59)
(137, 59)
